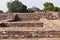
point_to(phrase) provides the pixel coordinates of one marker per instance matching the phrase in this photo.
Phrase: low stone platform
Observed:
(23, 24)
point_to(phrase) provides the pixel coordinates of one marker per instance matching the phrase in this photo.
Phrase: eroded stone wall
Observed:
(29, 34)
(30, 16)
(23, 16)
(21, 24)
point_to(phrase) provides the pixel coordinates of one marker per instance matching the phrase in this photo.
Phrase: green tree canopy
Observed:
(30, 10)
(48, 6)
(56, 9)
(16, 6)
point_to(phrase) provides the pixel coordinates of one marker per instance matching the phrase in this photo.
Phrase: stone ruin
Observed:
(27, 25)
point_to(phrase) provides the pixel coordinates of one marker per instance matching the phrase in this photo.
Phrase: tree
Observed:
(30, 10)
(16, 6)
(48, 6)
(56, 9)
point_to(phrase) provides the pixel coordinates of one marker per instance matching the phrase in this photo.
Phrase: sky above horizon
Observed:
(29, 3)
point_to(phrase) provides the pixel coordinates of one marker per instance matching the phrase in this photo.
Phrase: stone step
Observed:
(21, 24)
(34, 39)
(29, 34)
(22, 29)
(28, 29)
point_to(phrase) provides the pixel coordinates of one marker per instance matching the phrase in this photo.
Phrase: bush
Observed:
(30, 10)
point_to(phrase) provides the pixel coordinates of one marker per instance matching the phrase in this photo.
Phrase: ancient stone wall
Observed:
(30, 16)
(29, 34)
(6, 16)
(19, 24)
(29, 26)
(23, 16)
(58, 15)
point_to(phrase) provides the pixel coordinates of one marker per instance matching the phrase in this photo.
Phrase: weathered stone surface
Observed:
(18, 24)
(34, 39)
(29, 34)
(30, 16)
(29, 25)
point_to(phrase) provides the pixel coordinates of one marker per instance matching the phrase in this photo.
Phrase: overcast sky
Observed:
(29, 3)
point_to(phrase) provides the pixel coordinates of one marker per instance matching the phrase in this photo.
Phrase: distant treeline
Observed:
(17, 6)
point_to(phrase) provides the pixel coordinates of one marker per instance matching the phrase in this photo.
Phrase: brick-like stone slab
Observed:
(29, 34)
(33, 39)
(18, 24)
